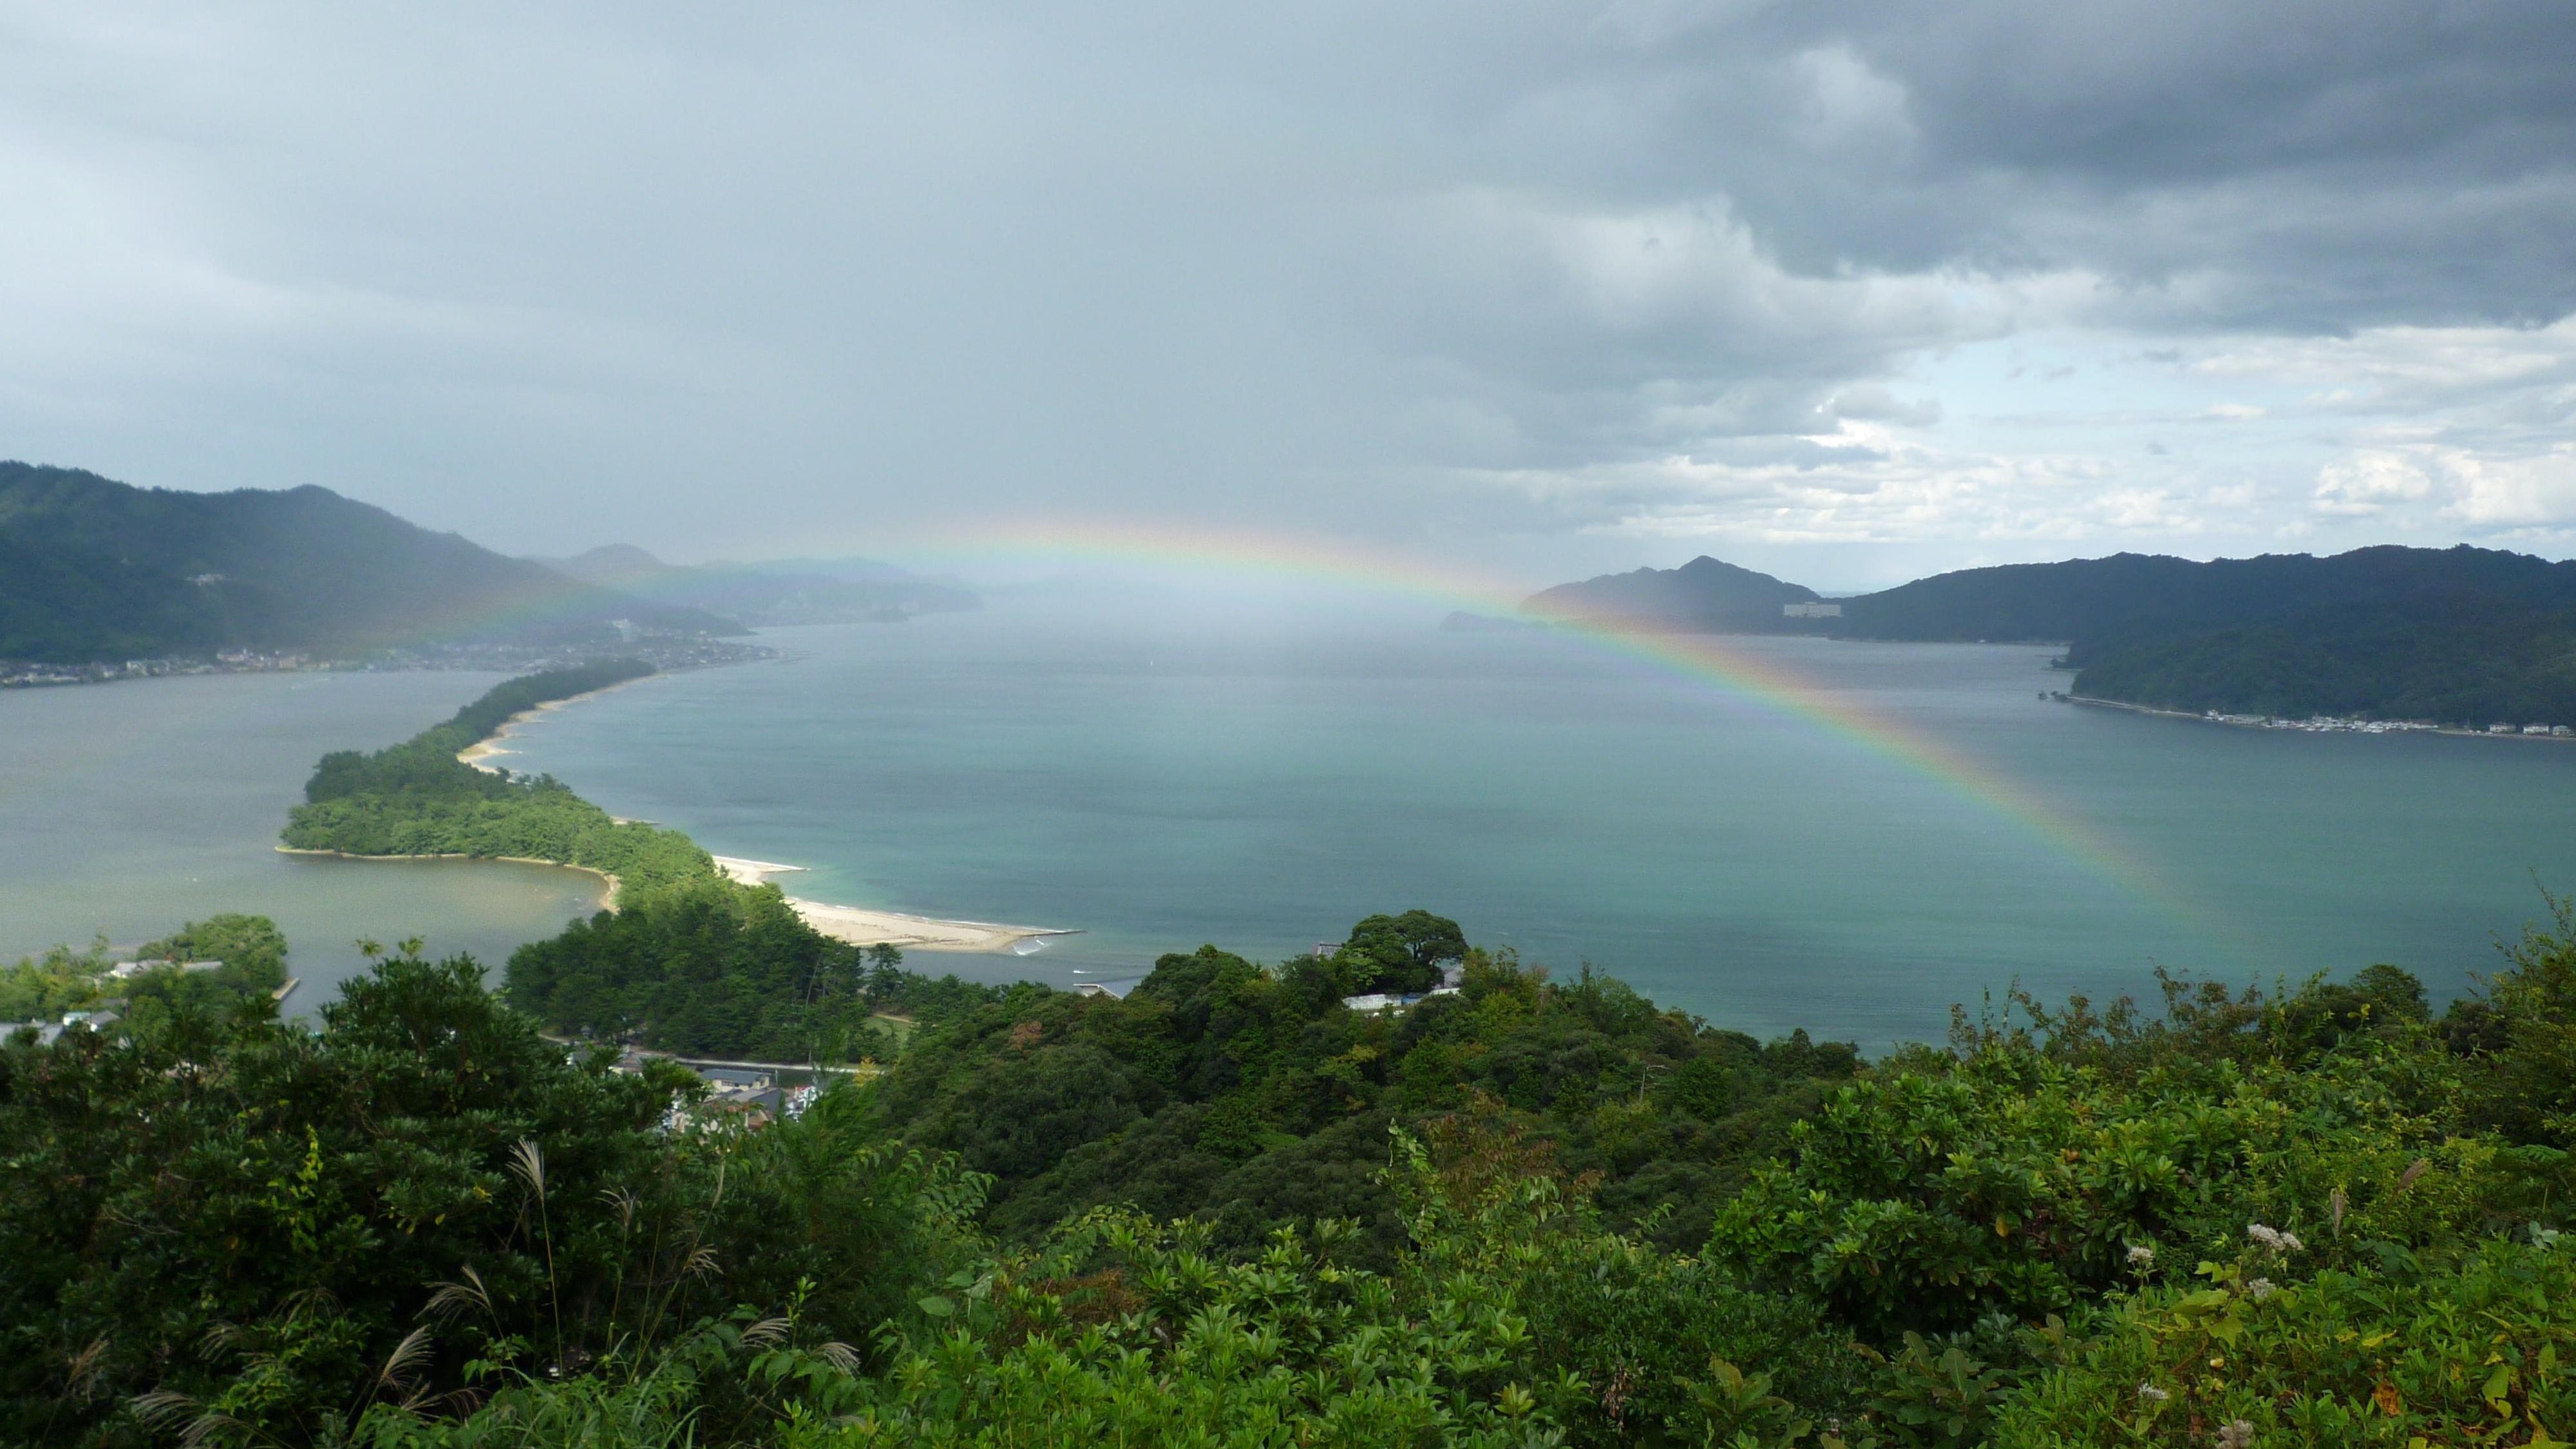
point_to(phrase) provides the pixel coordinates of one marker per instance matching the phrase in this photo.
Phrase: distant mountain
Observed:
(797, 591)
(2458, 635)
(93, 569)
(1702, 596)
(2095, 604)
(2458, 660)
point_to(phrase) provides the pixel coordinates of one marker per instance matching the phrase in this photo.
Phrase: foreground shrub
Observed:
(2460, 1349)
(249, 1231)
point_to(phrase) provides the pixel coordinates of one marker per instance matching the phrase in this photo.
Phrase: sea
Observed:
(1158, 778)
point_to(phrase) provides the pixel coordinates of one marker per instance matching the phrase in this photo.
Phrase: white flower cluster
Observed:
(2236, 1434)
(2273, 1238)
(2150, 1394)
(2260, 1289)
(2141, 1256)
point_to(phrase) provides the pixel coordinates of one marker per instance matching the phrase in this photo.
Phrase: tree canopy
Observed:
(2315, 1217)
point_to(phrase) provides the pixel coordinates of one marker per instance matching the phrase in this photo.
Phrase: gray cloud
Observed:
(1629, 277)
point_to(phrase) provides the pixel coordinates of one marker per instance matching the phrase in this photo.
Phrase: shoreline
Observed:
(861, 926)
(34, 674)
(490, 745)
(607, 898)
(853, 925)
(2336, 725)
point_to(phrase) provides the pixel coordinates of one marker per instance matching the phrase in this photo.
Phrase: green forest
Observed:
(417, 798)
(2470, 664)
(251, 949)
(1531, 1213)
(1250, 1098)
(715, 968)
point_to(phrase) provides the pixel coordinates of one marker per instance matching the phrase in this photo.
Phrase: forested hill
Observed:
(2127, 598)
(2457, 635)
(92, 569)
(2307, 1219)
(1703, 595)
(792, 592)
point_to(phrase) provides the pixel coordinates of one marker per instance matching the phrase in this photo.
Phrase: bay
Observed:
(1261, 784)
(128, 809)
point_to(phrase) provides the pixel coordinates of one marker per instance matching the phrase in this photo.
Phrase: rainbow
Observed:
(1707, 659)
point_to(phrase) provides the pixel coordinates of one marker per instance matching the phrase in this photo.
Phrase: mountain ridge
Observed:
(93, 569)
(788, 591)
(2456, 635)
(1705, 595)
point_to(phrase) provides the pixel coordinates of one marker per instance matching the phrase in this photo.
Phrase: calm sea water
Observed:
(1157, 785)
(127, 809)
(1260, 787)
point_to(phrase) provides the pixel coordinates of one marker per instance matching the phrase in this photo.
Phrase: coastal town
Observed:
(2327, 724)
(29, 674)
(663, 652)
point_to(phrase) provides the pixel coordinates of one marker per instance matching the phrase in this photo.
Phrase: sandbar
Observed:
(863, 927)
(488, 746)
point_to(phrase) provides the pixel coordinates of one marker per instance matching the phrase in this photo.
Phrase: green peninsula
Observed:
(417, 798)
(686, 960)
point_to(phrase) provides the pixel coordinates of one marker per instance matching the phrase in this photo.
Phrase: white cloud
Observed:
(2367, 482)
(1872, 483)
(2513, 495)
(2405, 369)
(2537, 491)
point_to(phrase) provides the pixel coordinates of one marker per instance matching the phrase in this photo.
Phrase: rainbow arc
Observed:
(1714, 660)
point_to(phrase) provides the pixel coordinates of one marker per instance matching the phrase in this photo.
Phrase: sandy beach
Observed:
(483, 749)
(863, 927)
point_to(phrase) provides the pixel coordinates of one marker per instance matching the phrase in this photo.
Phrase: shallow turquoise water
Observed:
(1261, 787)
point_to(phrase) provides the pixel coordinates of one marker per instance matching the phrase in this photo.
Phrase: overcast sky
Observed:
(1849, 292)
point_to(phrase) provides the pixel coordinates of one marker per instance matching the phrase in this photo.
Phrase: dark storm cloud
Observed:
(2357, 162)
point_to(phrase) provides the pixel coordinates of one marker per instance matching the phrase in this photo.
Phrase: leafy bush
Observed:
(42, 988)
(251, 948)
(2462, 1347)
(2305, 1218)
(2024, 1177)
(258, 1229)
